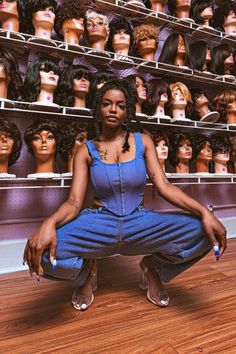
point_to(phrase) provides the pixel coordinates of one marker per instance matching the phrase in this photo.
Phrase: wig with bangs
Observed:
(197, 7)
(219, 54)
(10, 128)
(170, 50)
(187, 95)
(221, 101)
(117, 24)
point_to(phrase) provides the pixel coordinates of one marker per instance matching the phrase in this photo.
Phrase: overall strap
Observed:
(92, 150)
(139, 145)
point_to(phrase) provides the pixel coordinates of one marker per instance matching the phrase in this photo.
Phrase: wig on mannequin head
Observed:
(89, 14)
(10, 128)
(68, 10)
(172, 6)
(21, 14)
(11, 67)
(31, 86)
(148, 3)
(145, 31)
(220, 144)
(69, 134)
(158, 135)
(117, 24)
(156, 88)
(170, 50)
(65, 96)
(199, 141)
(221, 102)
(222, 12)
(37, 127)
(187, 95)
(219, 54)
(197, 55)
(175, 141)
(196, 93)
(197, 7)
(119, 85)
(100, 77)
(32, 7)
(131, 80)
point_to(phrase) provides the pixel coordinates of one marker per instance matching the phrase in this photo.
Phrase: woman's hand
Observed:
(44, 238)
(214, 230)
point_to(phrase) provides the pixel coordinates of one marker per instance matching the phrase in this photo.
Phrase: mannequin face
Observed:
(43, 143)
(205, 153)
(208, 55)
(229, 62)
(201, 100)
(121, 37)
(46, 15)
(222, 156)
(6, 144)
(178, 98)
(231, 107)
(162, 150)
(162, 2)
(9, 7)
(207, 13)
(96, 27)
(3, 72)
(164, 98)
(230, 19)
(48, 78)
(148, 44)
(74, 24)
(81, 85)
(181, 45)
(141, 89)
(182, 3)
(185, 150)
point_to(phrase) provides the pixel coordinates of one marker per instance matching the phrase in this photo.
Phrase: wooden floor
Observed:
(37, 317)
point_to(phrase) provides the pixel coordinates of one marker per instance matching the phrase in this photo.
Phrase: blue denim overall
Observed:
(123, 226)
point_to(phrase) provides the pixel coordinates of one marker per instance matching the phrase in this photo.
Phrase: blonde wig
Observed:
(186, 93)
(90, 14)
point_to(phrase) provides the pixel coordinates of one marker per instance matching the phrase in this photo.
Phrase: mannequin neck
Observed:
(160, 110)
(11, 23)
(206, 23)
(183, 167)
(179, 113)
(150, 55)
(98, 44)
(3, 88)
(221, 167)
(80, 101)
(4, 165)
(43, 31)
(231, 117)
(183, 11)
(45, 96)
(234, 163)
(203, 110)
(179, 59)
(230, 29)
(45, 164)
(202, 165)
(138, 107)
(157, 6)
(122, 49)
(72, 36)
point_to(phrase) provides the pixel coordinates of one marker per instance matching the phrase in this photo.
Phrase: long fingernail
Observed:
(54, 265)
(38, 277)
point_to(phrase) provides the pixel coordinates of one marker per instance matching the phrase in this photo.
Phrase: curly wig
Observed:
(119, 85)
(10, 128)
(199, 142)
(98, 78)
(93, 14)
(187, 95)
(68, 10)
(197, 56)
(32, 7)
(158, 136)
(220, 144)
(156, 88)
(170, 50)
(221, 101)
(219, 54)
(175, 142)
(31, 86)
(117, 24)
(222, 12)
(64, 94)
(12, 69)
(197, 7)
(145, 31)
(37, 127)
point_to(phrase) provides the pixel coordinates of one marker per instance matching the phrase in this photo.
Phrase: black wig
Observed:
(220, 144)
(197, 7)
(175, 141)
(222, 12)
(10, 128)
(219, 54)
(117, 24)
(195, 93)
(197, 55)
(170, 49)
(199, 142)
(99, 77)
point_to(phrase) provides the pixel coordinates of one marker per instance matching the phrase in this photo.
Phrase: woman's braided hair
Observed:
(119, 85)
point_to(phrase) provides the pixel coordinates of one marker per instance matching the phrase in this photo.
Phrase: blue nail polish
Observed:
(54, 265)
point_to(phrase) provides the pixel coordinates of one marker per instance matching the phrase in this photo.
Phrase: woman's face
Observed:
(141, 89)
(185, 150)
(44, 143)
(205, 153)
(181, 45)
(6, 145)
(96, 27)
(48, 78)
(121, 37)
(162, 150)
(46, 15)
(113, 108)
(81, 85)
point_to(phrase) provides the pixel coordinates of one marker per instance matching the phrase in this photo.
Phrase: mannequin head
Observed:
(10, 144)
(202, 152)
(225, 17)
(138, 87)
(200, 56)
(179, 8)
(223, 60)
(161, 142)
(175, 45)
(41, 75)
(233, 152)
(121, 36)
(10, 78)
(221, 148)
(156, 5)
(74, 82)
(40, 17)
(200, 101)
(12, 15)
(180, 98)
(225, 103)
(69, 22)
(146, 39)
(96, 29)
(98, 80)
(181, 149)
(201, 11)
(158, 95)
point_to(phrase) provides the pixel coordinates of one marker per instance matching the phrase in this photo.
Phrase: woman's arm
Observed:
(45, 236)
(213, 228)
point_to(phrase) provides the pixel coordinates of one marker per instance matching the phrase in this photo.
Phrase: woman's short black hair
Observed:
(12, 69)
(31, 86)
(119, 85)
(197, 55)
(222, 12)
(38, 126)
(175, 140)
(197, 7)
(117, 24)
(32, 6)
(9, 127)
(64, 93)
(170, 49)
(219, 54)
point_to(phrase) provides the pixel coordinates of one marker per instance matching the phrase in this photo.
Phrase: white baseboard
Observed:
(11, 252)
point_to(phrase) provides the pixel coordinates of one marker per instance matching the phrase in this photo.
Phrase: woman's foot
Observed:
(150, 280)
(83, 296)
